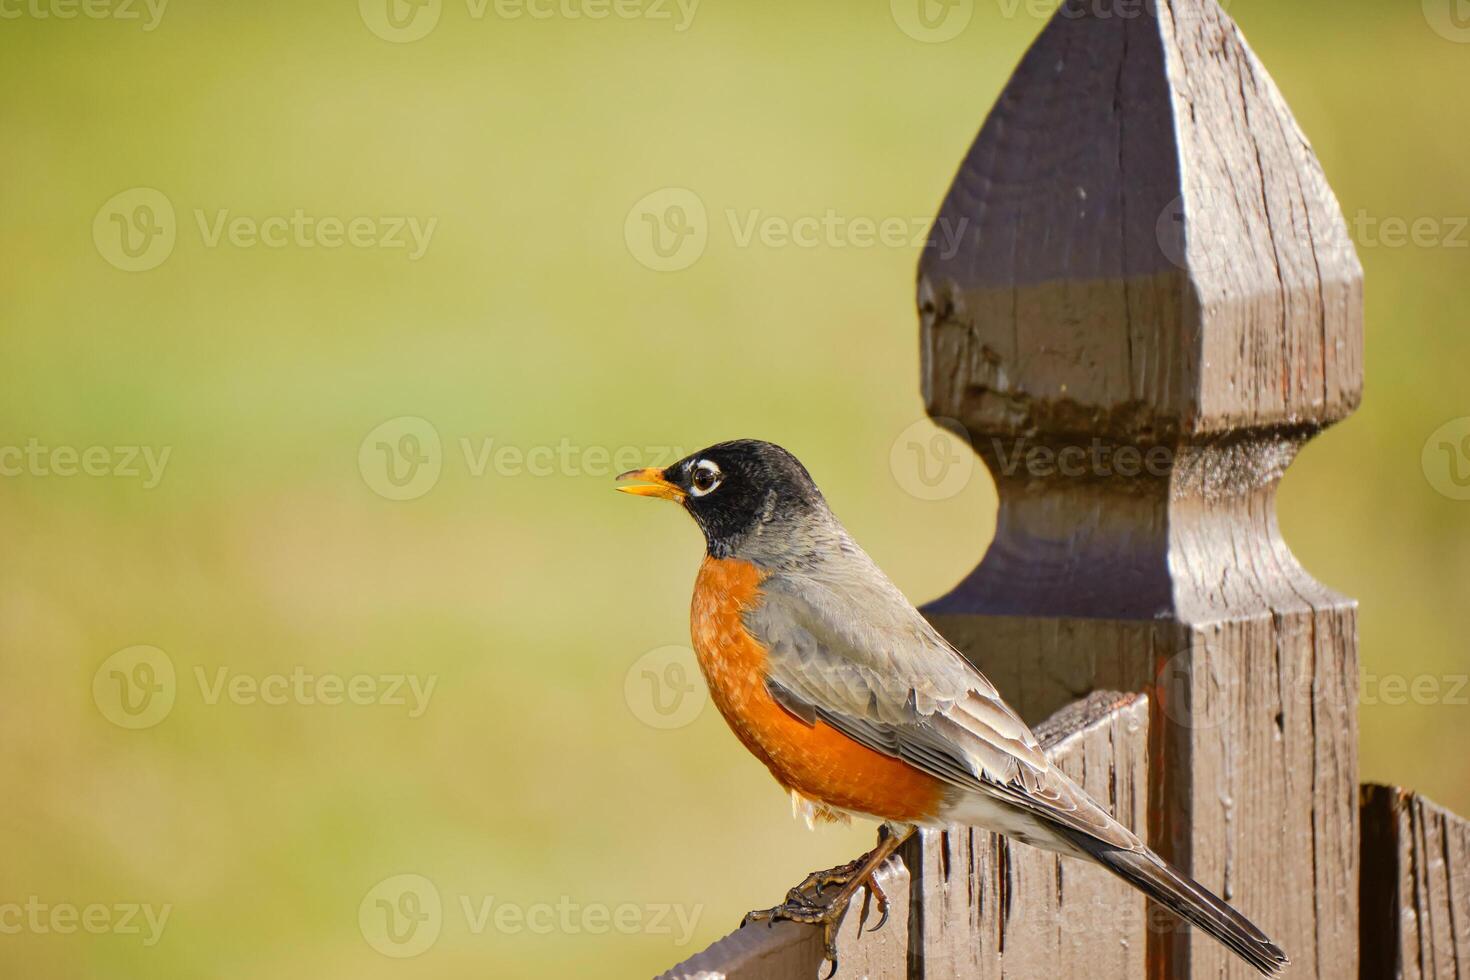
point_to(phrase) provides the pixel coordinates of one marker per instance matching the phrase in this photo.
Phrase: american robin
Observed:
(829, 676)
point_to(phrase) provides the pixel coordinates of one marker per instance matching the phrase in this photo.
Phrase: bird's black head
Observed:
(733, 490)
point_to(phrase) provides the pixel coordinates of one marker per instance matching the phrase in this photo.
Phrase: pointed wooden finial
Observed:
(1148, 245)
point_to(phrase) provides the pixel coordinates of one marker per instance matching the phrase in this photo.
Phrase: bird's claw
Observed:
(829, 917)
(882, 899)
(811, 886)
(804, 905)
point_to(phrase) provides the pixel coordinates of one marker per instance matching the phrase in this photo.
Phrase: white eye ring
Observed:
(705, 478)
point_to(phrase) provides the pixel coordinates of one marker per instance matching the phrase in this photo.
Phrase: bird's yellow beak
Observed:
(653, 485)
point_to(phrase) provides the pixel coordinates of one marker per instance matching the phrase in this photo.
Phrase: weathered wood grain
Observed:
(1149, 244)
(984, 907)
(1416, 888)
(784, 951)
(787, 951)
(967, 904)
(1155, 304)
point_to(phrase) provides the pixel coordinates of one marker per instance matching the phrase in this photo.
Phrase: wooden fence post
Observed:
(983, 907)
(1156, 303)
(1416, 888)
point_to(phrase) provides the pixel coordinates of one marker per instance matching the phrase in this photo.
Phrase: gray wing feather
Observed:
(848, 649)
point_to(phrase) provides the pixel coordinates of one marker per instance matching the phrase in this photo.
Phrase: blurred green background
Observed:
(538, 776)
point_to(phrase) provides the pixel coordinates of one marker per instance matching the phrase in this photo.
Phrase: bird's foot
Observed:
(809, 892)
(805, 903)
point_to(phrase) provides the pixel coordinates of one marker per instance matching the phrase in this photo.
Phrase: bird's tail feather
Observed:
(1191, 901)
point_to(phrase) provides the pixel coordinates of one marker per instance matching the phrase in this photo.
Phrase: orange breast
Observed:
(816, 761)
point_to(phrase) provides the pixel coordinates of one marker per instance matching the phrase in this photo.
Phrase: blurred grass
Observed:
(528, 322)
